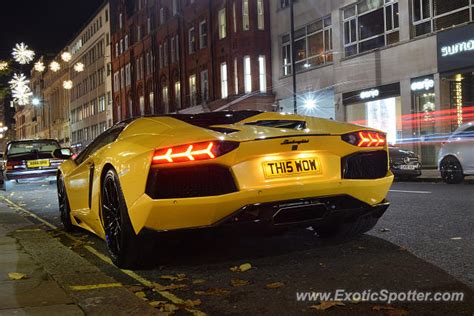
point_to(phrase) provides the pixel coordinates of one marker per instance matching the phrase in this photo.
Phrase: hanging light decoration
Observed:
(66, 56)
(39, 66)
(55, 66)
(67, 84)
(79, 67)
(3, 65)
(21, 91)
(22, 54)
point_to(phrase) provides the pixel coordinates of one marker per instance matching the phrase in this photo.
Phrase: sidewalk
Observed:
(56, 280)
(433, 175)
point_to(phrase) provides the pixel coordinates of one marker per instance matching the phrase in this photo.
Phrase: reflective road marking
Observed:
(94, 286)
(415, 192)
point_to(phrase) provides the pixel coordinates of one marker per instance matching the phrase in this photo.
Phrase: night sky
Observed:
(46, 26)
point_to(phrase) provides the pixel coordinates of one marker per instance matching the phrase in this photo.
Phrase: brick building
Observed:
(190, 56)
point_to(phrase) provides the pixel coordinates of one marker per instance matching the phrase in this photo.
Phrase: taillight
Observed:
(12, 164)
(365, 139)
(192, 152)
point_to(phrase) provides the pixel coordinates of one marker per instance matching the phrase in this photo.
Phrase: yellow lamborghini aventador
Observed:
(175, 172)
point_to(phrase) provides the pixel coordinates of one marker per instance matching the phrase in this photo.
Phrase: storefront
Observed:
(378, 107)
(423, 119)
(456, 68)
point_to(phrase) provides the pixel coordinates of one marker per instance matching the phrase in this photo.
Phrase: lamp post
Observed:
(37, 102)
(293, 55)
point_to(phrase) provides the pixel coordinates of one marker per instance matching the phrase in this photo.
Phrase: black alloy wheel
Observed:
(123, 244)
(451, 171)
(64, 209)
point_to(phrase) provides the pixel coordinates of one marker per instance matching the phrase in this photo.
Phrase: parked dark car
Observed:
(404, 164)
(30, 159)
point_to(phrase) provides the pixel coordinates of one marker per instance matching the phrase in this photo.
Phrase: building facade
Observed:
(47, 115)
(190, 56)
(403, 66)
(90, 73)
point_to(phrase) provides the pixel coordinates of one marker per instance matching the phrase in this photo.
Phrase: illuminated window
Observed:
(247, 75)
(245, 15)
(262, 74)
(368, 26)
(222, 24)
(224, 86)
(192, 90)
(177, 94)
(165, 99)
(260, 15)
(236, 77)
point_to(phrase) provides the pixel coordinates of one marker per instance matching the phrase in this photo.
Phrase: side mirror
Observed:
(62, 153)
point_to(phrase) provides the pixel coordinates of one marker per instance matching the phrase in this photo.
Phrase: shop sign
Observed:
(370, 94)
(456, 49)
(420, 85)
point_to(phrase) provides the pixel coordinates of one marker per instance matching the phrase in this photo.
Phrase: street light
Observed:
(309, 104)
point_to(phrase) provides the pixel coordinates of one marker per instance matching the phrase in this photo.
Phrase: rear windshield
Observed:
(215, 118)
(40, 146)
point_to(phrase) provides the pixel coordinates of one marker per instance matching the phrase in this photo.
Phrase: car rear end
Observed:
(254, 173)
(31, 159)
(404, 164)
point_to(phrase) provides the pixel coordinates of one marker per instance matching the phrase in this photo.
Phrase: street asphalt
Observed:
(424, 242)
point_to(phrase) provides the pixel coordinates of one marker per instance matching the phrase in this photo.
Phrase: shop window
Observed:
(370, 25)
(434, 15)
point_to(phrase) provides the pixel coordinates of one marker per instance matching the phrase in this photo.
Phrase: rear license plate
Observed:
(407, 167)
(37, 163)
(291, 167)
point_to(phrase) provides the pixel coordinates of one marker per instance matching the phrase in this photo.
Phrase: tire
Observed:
(124, 246)
(347, 230)
(451, 170)
(64, 208)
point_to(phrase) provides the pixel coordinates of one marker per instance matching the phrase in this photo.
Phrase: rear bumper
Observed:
(321, 211)
(175, 214)
(30, 174)
(406, 173)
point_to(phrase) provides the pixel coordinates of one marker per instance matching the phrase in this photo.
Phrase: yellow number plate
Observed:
(290, 167)
(37, 163)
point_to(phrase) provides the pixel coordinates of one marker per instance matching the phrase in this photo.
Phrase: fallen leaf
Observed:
(402, 249)
(324, 305)
(157, 303)
(213, 292)
(199, 281)
(135, 288)
(178, 277)
(456, 238)
(141, 295)
(172, 286)
(17, 276)
(391, 311)
(274, 285)
(242, 268)
(361, 248)
(169, 308)
(192, 303)
(239, 282)
(384, 230)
